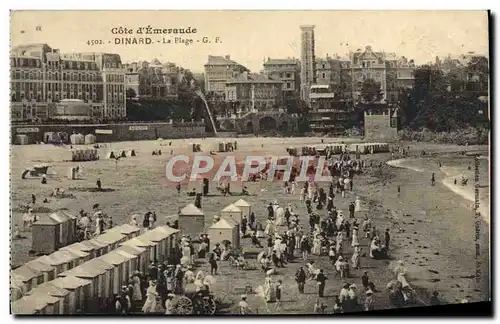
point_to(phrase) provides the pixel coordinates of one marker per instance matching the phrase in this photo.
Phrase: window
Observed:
(323, 75)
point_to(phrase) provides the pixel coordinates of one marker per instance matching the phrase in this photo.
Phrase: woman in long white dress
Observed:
(357, 204)
(355, 258)
(136, 292)
(355, 237)
(280, 216)
(373, 246)
(298, 237)
(340, 219)
(151, 294)
(269, 228)
(98, 222)
(268, 290)
(316, 250)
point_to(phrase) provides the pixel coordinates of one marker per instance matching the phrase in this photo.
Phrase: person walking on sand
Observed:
(292, 189)
(434, 299)
(321, 280)
(433, 180)
(244, 307)
(99, 184)
(278, 292)
(33, 199)
(387, 238)
(300, 278)
(369, 301)
(151, 294)
(178, 187)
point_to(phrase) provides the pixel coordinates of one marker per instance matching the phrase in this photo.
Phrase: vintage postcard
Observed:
(249, 162)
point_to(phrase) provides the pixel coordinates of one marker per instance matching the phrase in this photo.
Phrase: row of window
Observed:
(56, 76)
(115, 78)
(68, 65)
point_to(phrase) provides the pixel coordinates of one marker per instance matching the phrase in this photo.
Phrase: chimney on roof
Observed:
(228, 57)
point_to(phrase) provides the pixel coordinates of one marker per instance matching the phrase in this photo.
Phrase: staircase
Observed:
(212, 121)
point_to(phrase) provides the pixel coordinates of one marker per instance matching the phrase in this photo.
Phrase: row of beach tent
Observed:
(80, 139)
(85, 276)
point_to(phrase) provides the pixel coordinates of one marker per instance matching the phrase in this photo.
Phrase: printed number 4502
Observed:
(94, 42)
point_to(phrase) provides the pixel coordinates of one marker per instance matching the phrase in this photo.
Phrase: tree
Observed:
(371, 91)
(130, 93)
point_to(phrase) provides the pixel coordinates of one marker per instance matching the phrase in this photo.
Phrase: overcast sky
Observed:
(249, 36)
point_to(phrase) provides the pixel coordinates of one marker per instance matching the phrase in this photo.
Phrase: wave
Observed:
(466, 192)
(399, 164)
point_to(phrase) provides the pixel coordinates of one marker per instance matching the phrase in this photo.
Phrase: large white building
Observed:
(42, 76)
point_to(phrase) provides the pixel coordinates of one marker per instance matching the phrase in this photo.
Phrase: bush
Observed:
(469, 135)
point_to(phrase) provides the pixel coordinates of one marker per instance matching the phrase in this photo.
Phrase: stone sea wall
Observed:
(112, 132)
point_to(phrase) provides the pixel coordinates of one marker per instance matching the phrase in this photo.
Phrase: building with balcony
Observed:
(328, 114)
(219, 70)
(346, 75)
(42, 76)
(153, 79)
(286, 70)
(254, 92)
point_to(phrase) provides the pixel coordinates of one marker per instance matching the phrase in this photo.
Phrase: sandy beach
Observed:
(436, 240)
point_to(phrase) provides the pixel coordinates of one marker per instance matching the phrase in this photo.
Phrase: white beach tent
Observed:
(191, 220)
(90, 139)
(77, 139)
(225, 230)
(244, 206)
(231, 211)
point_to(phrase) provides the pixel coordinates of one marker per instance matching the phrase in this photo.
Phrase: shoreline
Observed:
(464, 192)
(437, 245)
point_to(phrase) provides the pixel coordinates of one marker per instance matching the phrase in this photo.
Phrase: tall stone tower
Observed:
(308, 61)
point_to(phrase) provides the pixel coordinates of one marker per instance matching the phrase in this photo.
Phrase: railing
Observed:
(212, 121)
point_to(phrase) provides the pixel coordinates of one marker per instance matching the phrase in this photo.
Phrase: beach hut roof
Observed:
(159, 233)
(139, 241)
(70, 282)
(31, 304)
(59, 257)
(231, 208)
(95, 243)
(242, 203)
(16, 280)
(114, 258)
(75, 250)
(25, 274)
(125, 229)
(61, 216)
(223, 224)
(50, 289)
(39, 266)
(46, 220)
(110, 237)
(130, 249)
(191, 210)
(78, 246)
(89, 269)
